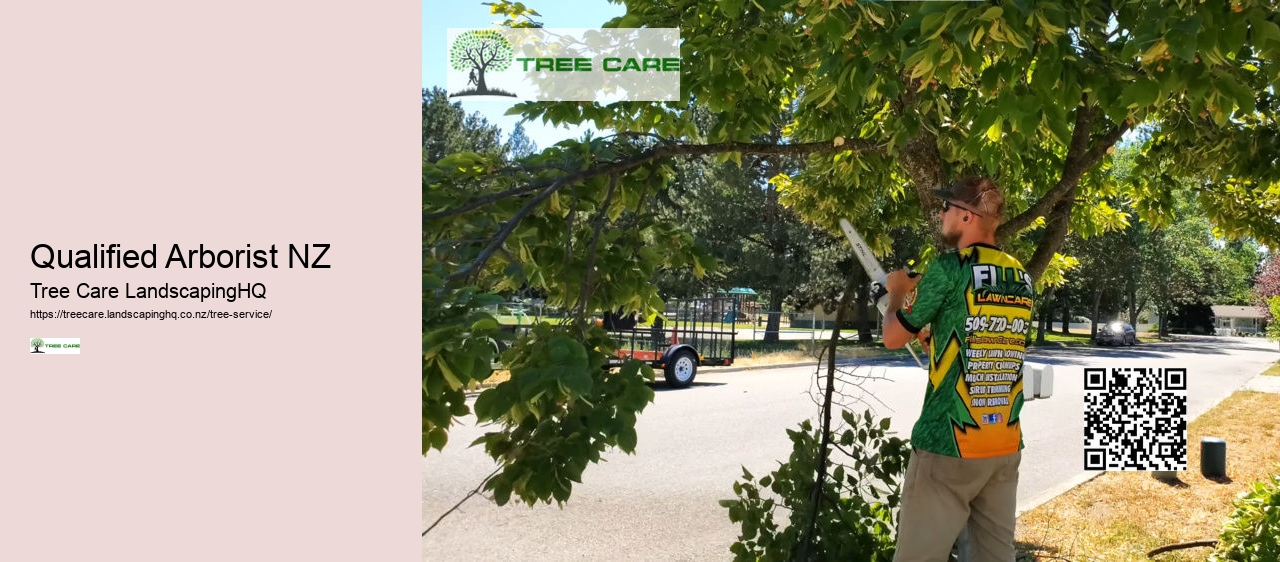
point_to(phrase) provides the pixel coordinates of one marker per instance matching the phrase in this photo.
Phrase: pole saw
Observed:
(879, 294)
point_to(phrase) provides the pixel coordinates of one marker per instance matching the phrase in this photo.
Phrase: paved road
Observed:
(660, 504)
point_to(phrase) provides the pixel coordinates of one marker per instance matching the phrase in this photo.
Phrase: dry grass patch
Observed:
(1123, 515)
(499, 375)
(757, 359)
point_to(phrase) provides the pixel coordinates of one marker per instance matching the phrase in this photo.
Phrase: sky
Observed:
(438, 16)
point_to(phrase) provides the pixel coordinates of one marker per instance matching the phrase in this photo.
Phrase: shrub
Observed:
(856, 518)
(1253, 532)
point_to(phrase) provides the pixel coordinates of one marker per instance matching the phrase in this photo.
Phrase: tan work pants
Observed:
(942, 494)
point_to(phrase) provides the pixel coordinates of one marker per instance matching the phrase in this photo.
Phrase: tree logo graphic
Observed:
(477, 52)
(36, 344)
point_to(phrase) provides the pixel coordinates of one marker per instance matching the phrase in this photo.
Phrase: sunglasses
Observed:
(947, 205)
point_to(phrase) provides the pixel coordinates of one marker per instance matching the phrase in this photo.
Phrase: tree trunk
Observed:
(862, 316)
(1097, 299)
(1133, 305)
(775, 316)
(1164, 323)
(923, 162)
(1046, 315)
(480, 87)
(1066, 315)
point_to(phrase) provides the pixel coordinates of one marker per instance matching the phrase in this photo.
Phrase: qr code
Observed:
(1135, 419)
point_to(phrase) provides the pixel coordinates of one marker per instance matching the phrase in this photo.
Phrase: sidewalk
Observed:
(1263, 383)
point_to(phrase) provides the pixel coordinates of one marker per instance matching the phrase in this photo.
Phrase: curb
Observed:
(1060, 344)
(1062, 488)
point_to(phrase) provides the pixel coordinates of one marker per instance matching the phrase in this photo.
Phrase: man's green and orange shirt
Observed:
(978, 301)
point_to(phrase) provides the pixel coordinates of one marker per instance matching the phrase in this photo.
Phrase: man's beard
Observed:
(951, 239)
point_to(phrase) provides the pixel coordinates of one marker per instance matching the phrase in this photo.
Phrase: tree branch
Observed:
(504, 233)
(621, 166)
(460, 502)
(1080, 158)
(824, 451)
(1180, 546)
(568, 241)
(586, 291)
(482, 201)
(756, 238)
(667, 151)
(1076, 149)
(1054, 237)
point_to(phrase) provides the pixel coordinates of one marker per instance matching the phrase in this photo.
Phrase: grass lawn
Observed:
(1065, 338)
(1123, 515)
(1273, 371)
(1081, 338)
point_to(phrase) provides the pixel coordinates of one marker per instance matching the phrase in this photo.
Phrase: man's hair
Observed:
(979, 194)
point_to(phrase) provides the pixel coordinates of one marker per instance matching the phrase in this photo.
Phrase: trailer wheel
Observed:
(681, 369)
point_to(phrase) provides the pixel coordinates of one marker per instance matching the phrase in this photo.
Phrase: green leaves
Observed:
(1182, 38)
(1141, 92)
(458, 350)
(854, 519)
(994, 131)
(1249, 534)
(730, 8)
(1264, 31)
(559, 411)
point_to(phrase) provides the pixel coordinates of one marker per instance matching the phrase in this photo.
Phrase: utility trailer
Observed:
(695, 332)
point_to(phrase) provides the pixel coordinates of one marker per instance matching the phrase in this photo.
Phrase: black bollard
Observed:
(1213, 457)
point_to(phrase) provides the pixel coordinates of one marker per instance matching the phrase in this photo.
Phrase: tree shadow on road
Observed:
(1199, 345)
(662, 386)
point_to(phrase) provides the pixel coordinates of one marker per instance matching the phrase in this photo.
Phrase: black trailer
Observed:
(690, 333)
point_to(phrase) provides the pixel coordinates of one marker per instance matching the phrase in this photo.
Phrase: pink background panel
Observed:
(231, 123)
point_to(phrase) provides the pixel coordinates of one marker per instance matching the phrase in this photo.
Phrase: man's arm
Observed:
(898, 284)
(895, 334)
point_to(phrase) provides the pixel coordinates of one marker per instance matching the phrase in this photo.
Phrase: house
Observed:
(1233, 320)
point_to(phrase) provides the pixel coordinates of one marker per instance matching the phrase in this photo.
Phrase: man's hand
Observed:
(901, 282)
(923, 337)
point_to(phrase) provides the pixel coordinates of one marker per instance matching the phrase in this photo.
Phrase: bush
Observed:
(1273, 329)
(1253, 532)
(856, 518)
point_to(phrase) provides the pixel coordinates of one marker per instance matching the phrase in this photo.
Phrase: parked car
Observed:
(1116, 333)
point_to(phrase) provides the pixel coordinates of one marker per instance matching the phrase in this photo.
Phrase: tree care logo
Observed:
(476, 52)
(568, 64)
(54, 346)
